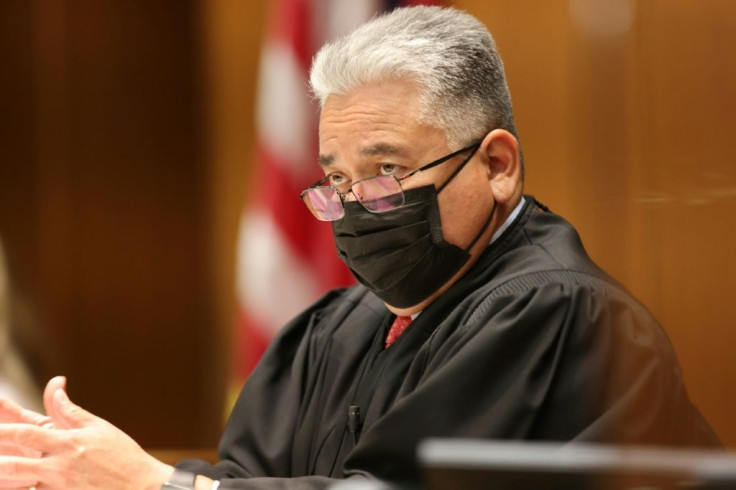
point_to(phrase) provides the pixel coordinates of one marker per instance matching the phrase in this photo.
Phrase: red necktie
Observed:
(397, 328)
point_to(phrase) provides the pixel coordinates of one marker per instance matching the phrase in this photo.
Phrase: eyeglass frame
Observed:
(343, 196)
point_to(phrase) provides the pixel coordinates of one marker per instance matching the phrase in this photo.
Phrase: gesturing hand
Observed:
(71, 449)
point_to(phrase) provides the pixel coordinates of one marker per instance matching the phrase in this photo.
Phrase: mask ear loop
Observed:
(493, 209)
(485, 227)
(458, 169)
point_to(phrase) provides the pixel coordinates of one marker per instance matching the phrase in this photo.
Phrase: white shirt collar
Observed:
(509, 220)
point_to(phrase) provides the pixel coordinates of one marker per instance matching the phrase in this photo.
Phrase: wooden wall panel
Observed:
(231, 34)
(137, 219)
(688, 87)
(626, 113)
(107, 226)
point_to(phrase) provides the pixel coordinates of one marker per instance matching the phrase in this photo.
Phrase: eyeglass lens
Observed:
(376, 194)
(379, 194)
(324, 203)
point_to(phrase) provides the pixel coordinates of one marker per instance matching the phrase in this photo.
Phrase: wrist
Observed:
(179, 480)
(204, 483)
(184, 480)
(157, 476)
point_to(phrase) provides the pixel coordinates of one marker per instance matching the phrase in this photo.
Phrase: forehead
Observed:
(381, 116)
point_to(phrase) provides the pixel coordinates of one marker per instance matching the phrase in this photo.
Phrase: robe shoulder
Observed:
(553, 356)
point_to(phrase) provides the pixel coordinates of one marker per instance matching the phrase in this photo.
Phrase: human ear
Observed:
(500, 153)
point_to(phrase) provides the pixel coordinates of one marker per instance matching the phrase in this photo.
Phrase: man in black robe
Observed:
(478, 312)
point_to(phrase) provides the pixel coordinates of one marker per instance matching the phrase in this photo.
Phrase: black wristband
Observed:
(180, 480)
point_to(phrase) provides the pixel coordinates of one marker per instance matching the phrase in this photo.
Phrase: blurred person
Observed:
(15, 380)
(478, 312)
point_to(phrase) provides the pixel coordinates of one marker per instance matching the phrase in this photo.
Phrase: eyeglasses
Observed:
(377, 194)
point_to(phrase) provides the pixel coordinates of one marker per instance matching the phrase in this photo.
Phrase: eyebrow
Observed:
(326, 160)
(382, 149)
(368, 151)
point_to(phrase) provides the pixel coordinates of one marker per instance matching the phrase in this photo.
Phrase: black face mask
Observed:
(401, 254)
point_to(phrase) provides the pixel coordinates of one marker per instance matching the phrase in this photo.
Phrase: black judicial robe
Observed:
(534, 342)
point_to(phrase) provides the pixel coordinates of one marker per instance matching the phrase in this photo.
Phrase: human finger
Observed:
(68, 414)
(15, 450)
(30, 437)
(19, 472)
(11, 412)
(54, 384)
(14, 485)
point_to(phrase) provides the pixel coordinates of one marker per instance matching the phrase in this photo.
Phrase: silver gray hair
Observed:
(449, 54)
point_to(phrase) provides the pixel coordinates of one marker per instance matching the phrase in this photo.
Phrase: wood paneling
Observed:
(230, 33)
(626, 113)
(686, 191)
(107, 221)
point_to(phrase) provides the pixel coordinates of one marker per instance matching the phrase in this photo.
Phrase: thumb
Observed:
(67, 415)
(48, 393)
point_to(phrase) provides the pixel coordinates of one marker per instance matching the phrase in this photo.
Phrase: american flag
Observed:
(286, 258)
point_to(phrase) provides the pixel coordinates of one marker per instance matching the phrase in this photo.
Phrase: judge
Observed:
(478, 312)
